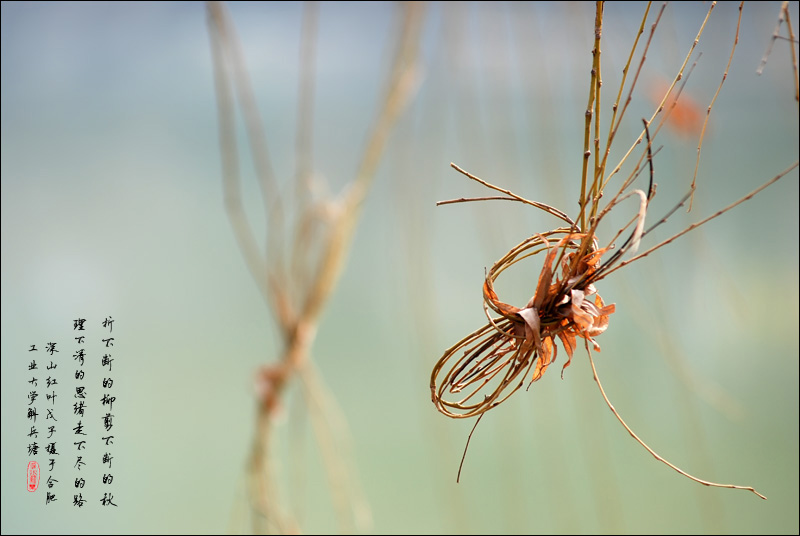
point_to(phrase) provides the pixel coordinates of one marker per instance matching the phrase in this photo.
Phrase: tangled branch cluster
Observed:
(506, 349)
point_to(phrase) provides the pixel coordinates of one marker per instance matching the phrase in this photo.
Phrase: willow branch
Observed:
(710, 106)
(701, 222)
(651, 451)
(547, 208)
(402, 85)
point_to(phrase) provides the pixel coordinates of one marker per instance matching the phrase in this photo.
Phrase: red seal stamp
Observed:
(33, 475)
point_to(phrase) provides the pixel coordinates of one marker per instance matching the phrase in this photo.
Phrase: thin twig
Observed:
(219, 32)
(701, 222)
(612, 128)
(458, 477)
(547, 208)
(651, 451)
(792, 42)
(775, 35)
(666, 95)
(308, 216)
(628, 100)
(333, 438)
(588, 114)
(402, 85)
(256, 136)
(598, 168)
(710, 106)
(304, 155)
(471, 199)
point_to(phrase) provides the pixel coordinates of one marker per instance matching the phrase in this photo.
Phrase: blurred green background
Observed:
(112, 205)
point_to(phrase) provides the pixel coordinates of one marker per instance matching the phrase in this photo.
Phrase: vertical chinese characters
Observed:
(91, 398)
(33, 434)
(79, 412)
(106, 408)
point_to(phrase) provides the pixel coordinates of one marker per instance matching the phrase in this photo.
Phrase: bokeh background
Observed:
(112, 205)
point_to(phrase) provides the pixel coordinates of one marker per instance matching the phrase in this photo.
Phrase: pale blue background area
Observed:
(112, 204)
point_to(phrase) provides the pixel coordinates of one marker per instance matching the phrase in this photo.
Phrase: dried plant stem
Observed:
(593, 96)
(333, 438)
(598, 170)
(304, 156)
(263, 493)
(499, 357)
(240, 79)
(224, 54)
(471, 199)
(297, 298)
(469, 438)
(701, 222)
(651, 451)
(309, 214)
(792, 41)
(666, 95)
(402, 85)
(547, 208)
(612, 126)
(783, 15)
(710, 106)
(775, 36)
(628, 100)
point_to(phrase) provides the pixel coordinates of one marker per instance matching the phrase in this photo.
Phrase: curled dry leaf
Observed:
(494, 360)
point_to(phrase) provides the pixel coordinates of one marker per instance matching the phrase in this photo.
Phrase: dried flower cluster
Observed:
(482, 370)
(565, 307)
